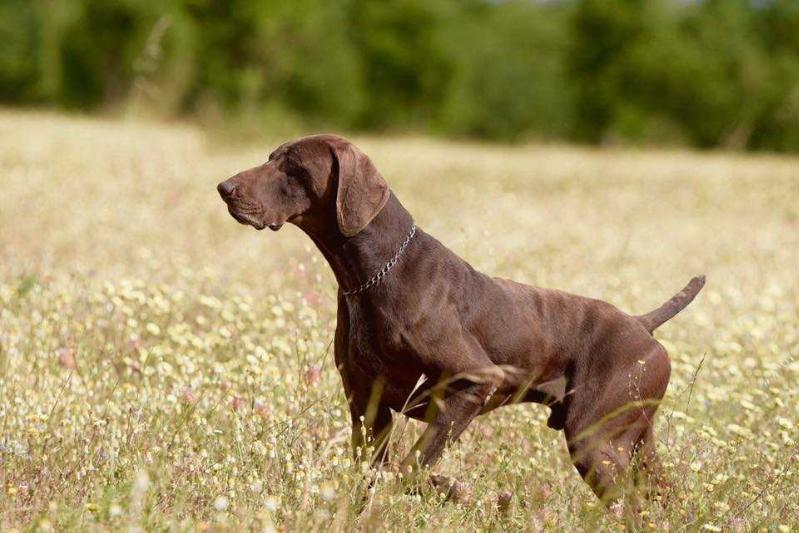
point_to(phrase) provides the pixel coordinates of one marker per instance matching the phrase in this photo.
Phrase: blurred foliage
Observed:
(698, 72)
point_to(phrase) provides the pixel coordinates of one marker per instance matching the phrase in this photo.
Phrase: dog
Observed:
(422, 333)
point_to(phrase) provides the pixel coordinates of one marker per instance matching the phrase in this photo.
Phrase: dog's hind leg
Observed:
(651, 475)
(607, 426)
(602, 459)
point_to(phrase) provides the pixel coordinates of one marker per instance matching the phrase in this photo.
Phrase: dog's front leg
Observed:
(370, 418)
(455, 412)
(371, 425)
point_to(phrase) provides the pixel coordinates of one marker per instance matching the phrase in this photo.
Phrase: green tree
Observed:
(509, 79)
(406, 66)
(602, 34)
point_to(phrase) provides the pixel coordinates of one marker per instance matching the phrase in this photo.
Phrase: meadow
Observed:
(165, 368)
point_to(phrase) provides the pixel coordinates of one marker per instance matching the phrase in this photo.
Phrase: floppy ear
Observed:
(362, 192)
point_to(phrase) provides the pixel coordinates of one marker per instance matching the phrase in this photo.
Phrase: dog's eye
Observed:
(295, 171)
(290, 167)
(289, 188)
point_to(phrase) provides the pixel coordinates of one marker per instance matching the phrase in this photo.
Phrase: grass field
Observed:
(163, 367)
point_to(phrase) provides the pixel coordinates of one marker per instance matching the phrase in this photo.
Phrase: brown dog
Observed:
(409, 308)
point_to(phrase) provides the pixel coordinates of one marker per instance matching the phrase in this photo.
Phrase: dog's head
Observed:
(309, 180)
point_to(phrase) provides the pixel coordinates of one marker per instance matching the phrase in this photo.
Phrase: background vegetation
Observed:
(697, 72)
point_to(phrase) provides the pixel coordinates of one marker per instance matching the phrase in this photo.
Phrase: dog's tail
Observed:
(677, 303)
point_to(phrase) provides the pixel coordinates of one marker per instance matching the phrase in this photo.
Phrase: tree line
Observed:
(704, 73)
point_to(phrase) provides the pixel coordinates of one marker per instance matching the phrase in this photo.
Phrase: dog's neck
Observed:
(356, 259)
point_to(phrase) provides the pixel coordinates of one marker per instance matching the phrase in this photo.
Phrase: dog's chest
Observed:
(379, 345)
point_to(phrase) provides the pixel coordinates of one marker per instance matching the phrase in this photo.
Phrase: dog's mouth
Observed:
(248, 219)
(252, 219)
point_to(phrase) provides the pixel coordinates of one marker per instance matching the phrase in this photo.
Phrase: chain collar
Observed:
(377, 278)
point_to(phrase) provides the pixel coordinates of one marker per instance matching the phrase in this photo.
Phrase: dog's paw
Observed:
(451, 489)
(504, 500)
(618, 509)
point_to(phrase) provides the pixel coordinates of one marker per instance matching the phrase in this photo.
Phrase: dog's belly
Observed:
(532, 338)
(408, 387)
(405, 361)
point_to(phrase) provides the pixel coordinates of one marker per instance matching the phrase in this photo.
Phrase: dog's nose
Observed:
(226, 189)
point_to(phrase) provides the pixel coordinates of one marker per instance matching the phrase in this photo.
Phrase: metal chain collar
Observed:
(374, 280)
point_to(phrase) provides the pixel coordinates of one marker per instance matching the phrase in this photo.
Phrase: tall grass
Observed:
(162, 367)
